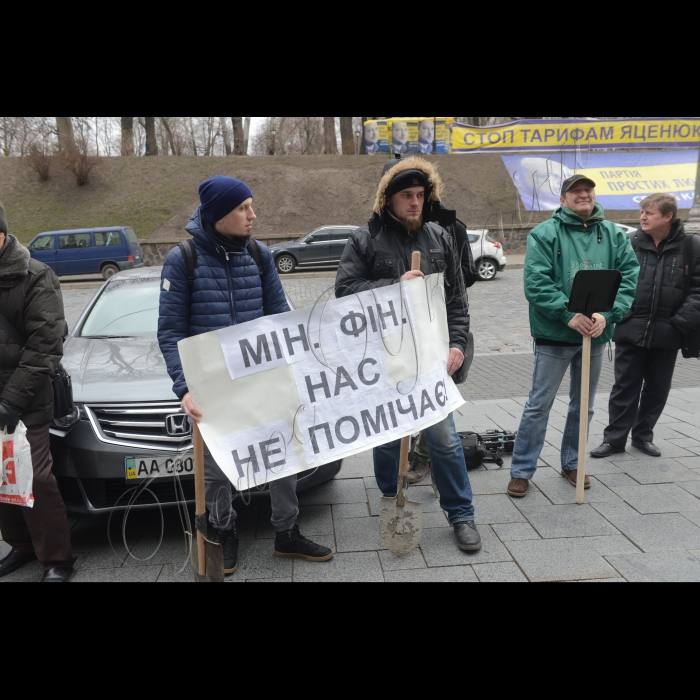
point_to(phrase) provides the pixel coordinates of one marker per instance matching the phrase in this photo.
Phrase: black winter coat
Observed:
(661, 316)
(30, 299)
(379, 254)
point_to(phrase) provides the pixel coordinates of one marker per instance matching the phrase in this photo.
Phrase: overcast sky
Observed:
(255, 123)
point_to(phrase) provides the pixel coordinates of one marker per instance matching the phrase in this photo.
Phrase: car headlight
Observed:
(79, 413)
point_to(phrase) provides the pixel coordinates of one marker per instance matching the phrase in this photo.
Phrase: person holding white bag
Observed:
(32, 305)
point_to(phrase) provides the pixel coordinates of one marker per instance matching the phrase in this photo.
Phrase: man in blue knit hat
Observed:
(221, 278)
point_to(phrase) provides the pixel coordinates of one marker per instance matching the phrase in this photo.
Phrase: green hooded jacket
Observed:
(559, 248)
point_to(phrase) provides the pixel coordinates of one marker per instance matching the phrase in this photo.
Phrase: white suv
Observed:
(489, 257)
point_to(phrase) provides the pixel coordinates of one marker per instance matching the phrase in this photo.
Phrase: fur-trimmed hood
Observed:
(14, 259)
(412, 163)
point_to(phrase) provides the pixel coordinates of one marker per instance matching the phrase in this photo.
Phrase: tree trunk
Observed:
(239, 140)
(246, 135)
(66, 137)
(169, 134)
(151, 140)
(330, 137)
(127, 136)
(347, 138)
(224, 134)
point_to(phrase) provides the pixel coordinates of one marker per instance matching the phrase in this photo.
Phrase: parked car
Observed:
(131, 427)
(628, 229)
(106, 251)
(489, 256)
(321, 248)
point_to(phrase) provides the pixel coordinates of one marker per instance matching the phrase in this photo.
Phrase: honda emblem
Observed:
(177, 425)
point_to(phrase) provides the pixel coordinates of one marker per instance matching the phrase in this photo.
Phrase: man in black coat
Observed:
(379, 255)
(31, 302)
(439, 214)
(649, 339)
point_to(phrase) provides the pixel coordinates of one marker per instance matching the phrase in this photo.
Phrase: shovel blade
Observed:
(401, 528)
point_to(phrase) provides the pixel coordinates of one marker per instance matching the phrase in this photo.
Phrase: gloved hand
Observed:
(10, 415)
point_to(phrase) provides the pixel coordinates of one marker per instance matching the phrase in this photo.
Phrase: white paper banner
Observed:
(286, 394)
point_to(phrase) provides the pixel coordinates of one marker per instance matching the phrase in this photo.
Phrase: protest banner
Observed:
(573, 134)
(286, 394)
(623, 179)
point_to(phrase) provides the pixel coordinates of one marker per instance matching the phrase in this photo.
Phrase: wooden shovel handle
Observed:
(415, 263)
(585, 407)
(200, 495)
(406, 442)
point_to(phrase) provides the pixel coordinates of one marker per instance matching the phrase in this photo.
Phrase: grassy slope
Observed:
(293, 194)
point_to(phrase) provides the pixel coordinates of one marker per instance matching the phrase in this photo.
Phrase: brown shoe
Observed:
(418, 471)
(573, 479)
(518, 488)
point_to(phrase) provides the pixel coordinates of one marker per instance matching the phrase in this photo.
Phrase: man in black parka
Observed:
(437, 213)
(649, 339)
(31, 302)
(379, 255)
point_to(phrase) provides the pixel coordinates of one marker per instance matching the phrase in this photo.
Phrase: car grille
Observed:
(142, 426)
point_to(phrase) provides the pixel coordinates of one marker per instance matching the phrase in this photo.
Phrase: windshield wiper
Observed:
(107, 337)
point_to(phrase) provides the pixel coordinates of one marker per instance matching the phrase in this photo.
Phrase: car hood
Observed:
(131, 370)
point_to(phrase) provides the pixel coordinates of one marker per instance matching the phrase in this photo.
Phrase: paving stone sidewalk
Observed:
(641, 521)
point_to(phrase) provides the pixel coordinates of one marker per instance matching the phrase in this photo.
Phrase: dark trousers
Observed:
(42, 530)
(639, 374)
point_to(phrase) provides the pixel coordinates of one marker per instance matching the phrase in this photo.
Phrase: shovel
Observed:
(401, 520)
(594, 291)
(207, 558)
(583, 433)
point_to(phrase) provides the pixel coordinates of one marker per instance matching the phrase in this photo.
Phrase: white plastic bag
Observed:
(17, 469)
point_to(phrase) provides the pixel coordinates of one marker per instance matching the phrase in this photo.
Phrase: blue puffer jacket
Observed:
(227, 291)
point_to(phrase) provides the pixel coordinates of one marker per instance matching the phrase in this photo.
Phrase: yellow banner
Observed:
(648, 180)
(567, 134)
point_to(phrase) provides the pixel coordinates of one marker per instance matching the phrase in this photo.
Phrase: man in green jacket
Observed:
(576, 238)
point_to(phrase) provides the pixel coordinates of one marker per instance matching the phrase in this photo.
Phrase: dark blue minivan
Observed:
(88, 251)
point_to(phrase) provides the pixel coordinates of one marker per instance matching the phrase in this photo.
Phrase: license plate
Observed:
(143, 468)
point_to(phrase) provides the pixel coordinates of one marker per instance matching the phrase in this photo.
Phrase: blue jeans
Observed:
(550, 368)
(449, 470)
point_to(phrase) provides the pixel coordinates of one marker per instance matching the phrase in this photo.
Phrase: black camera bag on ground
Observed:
(479, 449)
(475, 454)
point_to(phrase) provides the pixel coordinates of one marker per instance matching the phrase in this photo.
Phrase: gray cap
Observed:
(3, 219)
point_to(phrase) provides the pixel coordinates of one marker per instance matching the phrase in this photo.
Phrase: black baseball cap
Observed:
(568, 184)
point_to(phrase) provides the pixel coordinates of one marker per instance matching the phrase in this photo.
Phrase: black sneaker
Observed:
(291, 545)
(229, 543)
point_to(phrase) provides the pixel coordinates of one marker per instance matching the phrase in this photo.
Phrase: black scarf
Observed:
(230, 245)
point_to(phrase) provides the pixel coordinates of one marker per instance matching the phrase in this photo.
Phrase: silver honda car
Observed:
(131, 446)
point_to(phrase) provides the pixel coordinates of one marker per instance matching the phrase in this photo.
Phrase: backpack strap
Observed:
(256, 254)
(190, 254)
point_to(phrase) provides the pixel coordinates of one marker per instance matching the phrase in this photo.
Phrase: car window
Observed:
(131, 235)
(320, 238)
(341, 234)
(126, 308)
(108, 239)
(74, 241)
(43, 243)
(474, 239)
